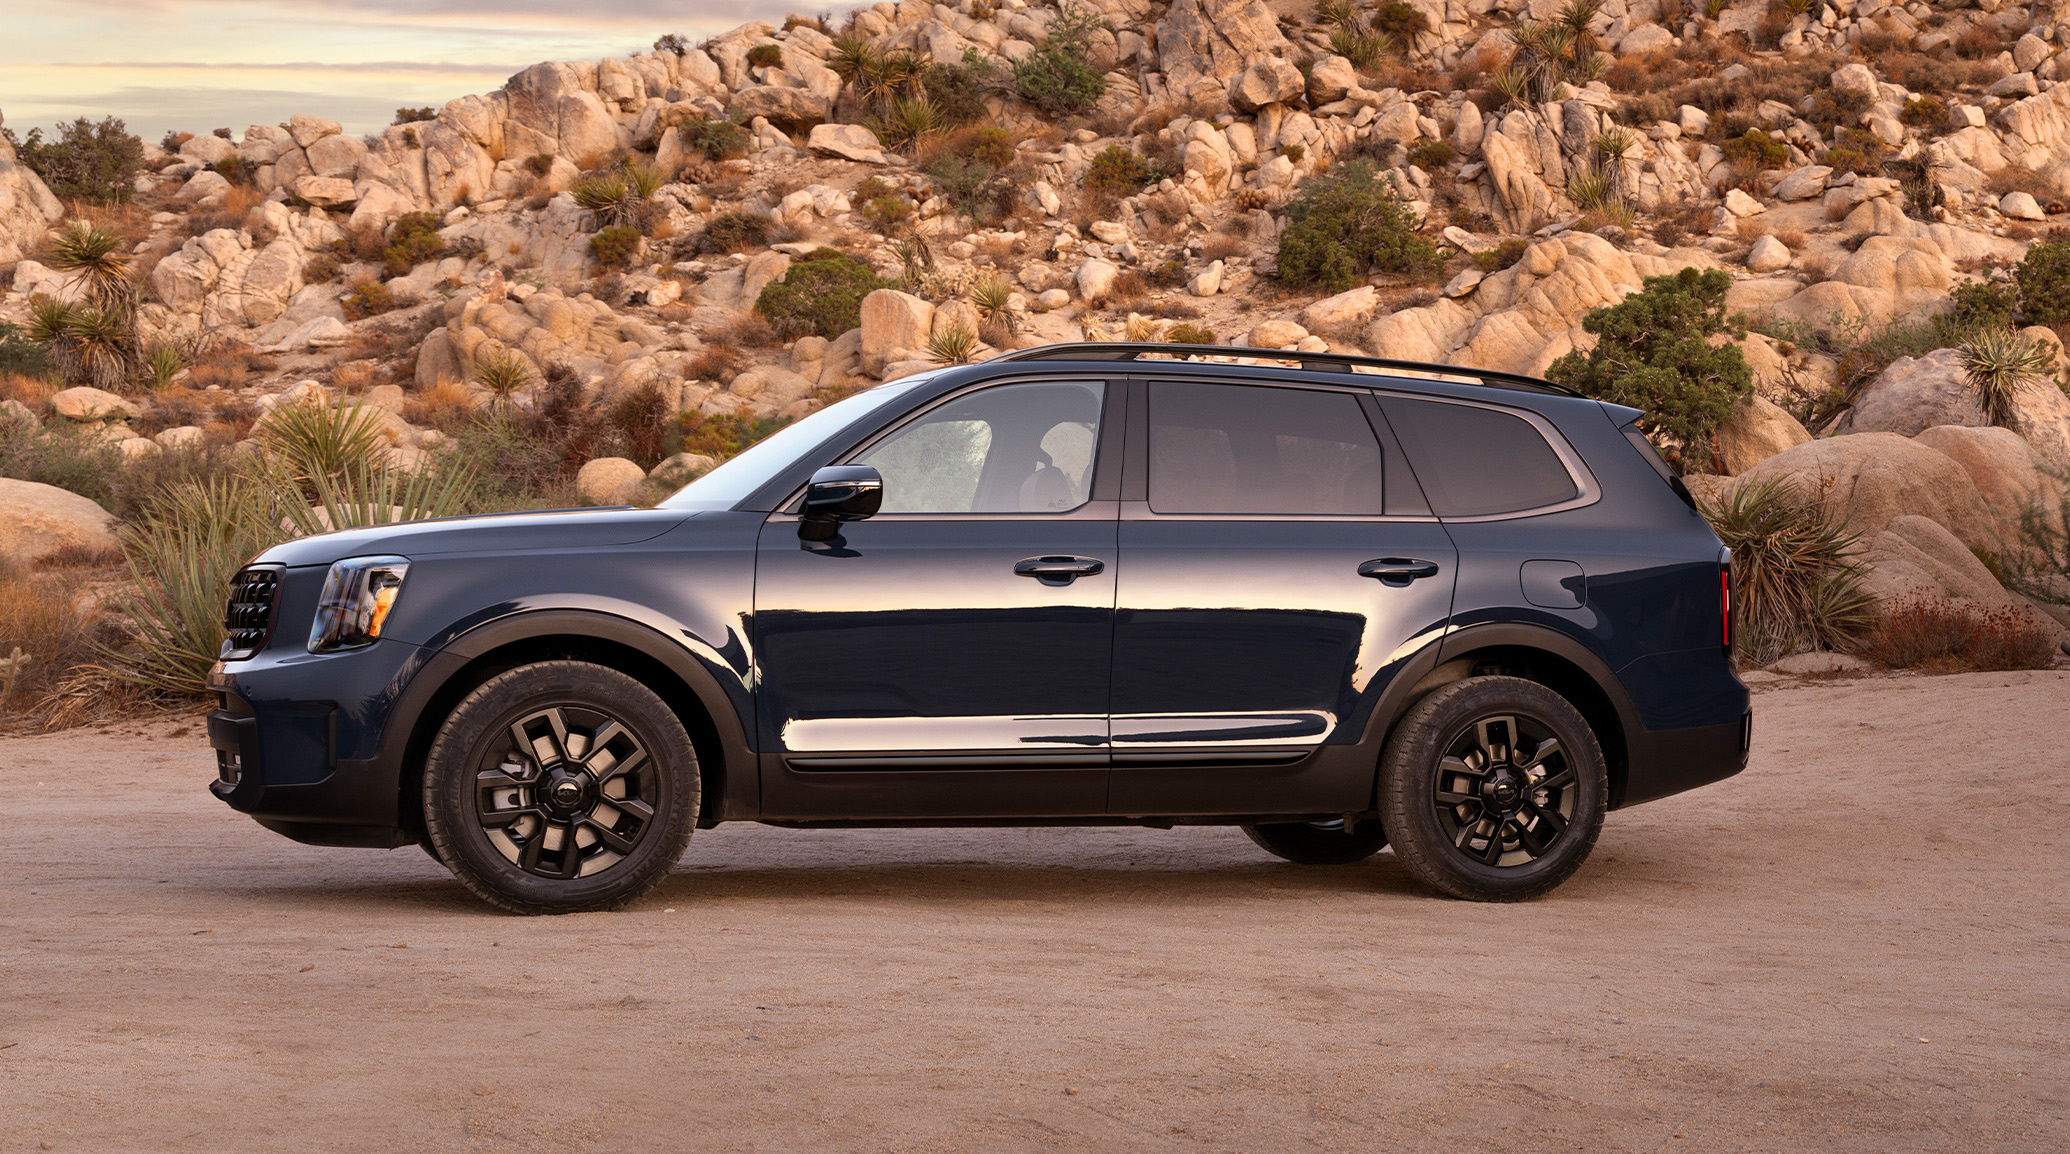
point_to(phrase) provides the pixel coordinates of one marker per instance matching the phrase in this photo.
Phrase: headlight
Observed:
(356, 599)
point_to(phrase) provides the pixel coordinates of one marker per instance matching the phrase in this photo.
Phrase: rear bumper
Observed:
(1665, 762)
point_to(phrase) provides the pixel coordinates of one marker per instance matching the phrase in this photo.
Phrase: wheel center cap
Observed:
(1504, 792)
(565, 793)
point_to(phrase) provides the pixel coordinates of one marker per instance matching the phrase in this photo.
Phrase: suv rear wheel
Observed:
(560, 787)
(1319, 842)
(1493, 789)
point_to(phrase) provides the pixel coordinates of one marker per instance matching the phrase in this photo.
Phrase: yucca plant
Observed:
(164, 362)
(2001, 364)
(1796, 572)
(502, 372)
(609, 198)
(1590, 188)
(181, 555)
(861, 66)
(99, 347)
(644, 179)
(89, 250)
(991, 298)
(1715, 8)
(954, 345)
(376, 493)
(1364, 49)
(1515, 86)
(1576, 16)
(906, 123)
(1336, 12)
(320, 439)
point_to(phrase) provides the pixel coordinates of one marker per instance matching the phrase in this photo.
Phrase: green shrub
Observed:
(615, 246)
(1359, 46)
(1924, 112)
(66, 455)
(19, 354)
(1757, 150)
(608, 198)
(821, 295)
(1857, 152)
(766, 56)
(414, 115)
(725, 435)
(322, 270)
(737, 232)
(1985, 304)
(1057, 77)
(2001, 364)
(1400, 22)
(1430, 154)
(368, 300)
(1190, 334)
(1654, 354)
(717, 139)
(1345, 223)
(412, 240)
(97, 163)
(1501, 256)
(906, 123)
(958, 90)
(1796, 579)
(992, 145)
(2044, 279)
(235, 169)
(1117, 171)
(963, 181)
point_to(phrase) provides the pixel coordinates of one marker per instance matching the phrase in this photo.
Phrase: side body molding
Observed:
(701, 666)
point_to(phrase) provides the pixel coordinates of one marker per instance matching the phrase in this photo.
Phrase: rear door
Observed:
(1278, 565)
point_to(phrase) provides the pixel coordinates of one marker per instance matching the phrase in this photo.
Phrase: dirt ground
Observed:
(1858, 944)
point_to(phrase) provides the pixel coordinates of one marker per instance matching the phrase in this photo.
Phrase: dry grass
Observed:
(749, 330)
(445, 405)
(44, 617)
(719, 360)
(1792, 237)
(1943, 636)
(353, 376)
(237, 204)
(1224, 246)
(30, 391)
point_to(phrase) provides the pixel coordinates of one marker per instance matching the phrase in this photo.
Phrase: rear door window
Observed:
(1254, 449)
(1477, 462)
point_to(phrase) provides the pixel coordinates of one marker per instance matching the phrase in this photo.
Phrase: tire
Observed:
(548, 826)
(1475, 754)
(1319, 842)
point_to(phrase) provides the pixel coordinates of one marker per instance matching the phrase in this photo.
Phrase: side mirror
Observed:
(839, 493)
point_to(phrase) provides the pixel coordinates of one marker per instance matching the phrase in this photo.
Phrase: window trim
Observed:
(1101, 507)
(1587, 490)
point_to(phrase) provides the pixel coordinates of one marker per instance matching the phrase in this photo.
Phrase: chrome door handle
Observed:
(1398, 571)
(1058, 570)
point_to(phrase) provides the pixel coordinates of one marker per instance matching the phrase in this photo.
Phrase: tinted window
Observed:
(1012, 449)
(1251, 449)
(737, 479)
(1474, 461)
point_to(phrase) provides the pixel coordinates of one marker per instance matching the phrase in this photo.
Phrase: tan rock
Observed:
(1755, 432)
(892, 320)
(1875, 477)
(1999, 462)
(1276, 334)
(600, 478)
(89, 404)
(38, 519)
(1913, 394)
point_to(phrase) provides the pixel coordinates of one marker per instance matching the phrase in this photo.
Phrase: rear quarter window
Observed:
(1478, 462)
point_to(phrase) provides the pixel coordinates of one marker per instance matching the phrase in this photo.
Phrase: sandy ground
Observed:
(1858, 944)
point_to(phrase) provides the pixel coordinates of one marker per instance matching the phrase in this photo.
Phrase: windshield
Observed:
(731, 483)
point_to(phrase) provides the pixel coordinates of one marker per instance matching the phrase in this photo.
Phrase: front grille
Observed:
(248, 618)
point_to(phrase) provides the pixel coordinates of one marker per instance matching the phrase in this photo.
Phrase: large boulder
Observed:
(1203, 44)
(27, 208)
(600, 478)
(90, 404)
(892, 321)
(1755, 432)
(2000, 464)
(37, 520)
(1268, 81)
(1913, 394)
(847, 141)
(1869, 479)
(785, 107)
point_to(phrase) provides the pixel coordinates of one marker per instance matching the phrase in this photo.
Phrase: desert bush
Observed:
(1429, 154)
(412, 240)
(672, 42)
(96, 163)
(1945, 636)
(958, 91)
(1796, 576)
(1654, 353)
(323, 269)
(1190, 334)
(1755, 150)
(1345, 223)
(1924, 112)
(906, 123)
(965, 182)
(716, 139)
(367, 300)
(414, 115)
(1501, 256)
(1400, 22)
(615, 246)
(1986, 304)
(821, 295)
(1117, 171)
(2044, 280)
(766, 56)
(20, 355)
(644, 418)
(63, 455)
(45, 634)
(724, 435)
(1058, 77)
(737, 232)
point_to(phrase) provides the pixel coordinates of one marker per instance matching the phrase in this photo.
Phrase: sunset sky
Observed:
(197, 65)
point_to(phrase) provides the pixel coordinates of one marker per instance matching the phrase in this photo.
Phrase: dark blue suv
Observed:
(1335, 601)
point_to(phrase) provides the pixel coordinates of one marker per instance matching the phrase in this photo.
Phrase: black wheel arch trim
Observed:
(1401, 692)
(733, 786)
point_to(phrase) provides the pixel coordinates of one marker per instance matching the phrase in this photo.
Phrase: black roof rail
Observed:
(1313, 362)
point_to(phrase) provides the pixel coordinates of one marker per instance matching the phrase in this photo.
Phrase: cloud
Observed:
(366, 66)
(151, 111)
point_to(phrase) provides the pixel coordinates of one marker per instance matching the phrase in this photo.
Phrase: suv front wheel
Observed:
(560, 787)
(1493, 789)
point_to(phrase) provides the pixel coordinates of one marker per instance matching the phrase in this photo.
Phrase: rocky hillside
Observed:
(1850, 163)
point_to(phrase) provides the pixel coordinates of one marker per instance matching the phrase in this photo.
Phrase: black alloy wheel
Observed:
(559, 787)
(1494, 789)
(1319, 842)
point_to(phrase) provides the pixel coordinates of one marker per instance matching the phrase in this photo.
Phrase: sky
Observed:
(198, 65)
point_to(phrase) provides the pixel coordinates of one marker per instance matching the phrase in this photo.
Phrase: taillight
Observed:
(1725, 603)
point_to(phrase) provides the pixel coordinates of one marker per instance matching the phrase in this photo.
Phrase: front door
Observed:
(948, 656)
(1278, 566)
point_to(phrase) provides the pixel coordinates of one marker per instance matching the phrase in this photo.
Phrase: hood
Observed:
(505, 533)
